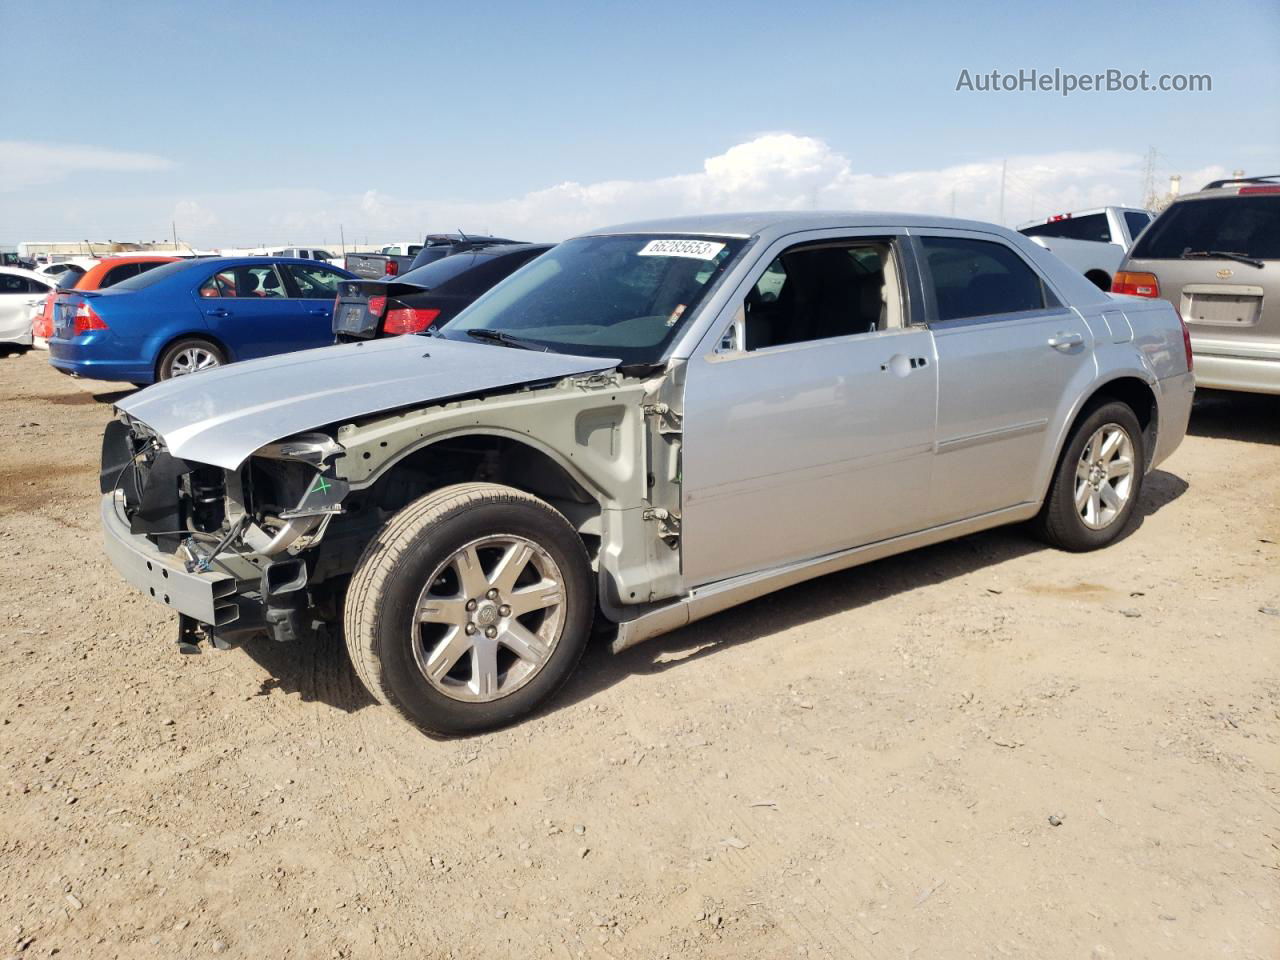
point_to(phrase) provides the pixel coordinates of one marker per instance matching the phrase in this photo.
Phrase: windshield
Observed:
(1244, 225)
(622, 296)
(148, 277)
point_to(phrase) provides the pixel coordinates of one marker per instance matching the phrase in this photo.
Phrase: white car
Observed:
(77, 265)
(22, 294)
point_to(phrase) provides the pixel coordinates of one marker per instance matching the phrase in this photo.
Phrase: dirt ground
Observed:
(983, 749)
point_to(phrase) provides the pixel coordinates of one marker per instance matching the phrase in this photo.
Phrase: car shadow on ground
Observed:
(317, 670)
(1247, 417)
(114, 396)
(320, 671)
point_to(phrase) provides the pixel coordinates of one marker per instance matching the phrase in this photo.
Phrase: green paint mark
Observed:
(322, 485)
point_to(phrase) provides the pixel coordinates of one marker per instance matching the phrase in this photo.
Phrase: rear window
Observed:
(118, 275)
(1245, 225)
(152, 277)
(1092, 227)
(438, 272)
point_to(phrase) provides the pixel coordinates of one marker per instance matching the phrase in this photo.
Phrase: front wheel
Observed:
(470, 608)
(1096, 486)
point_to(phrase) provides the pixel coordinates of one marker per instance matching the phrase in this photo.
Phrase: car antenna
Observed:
(465, 238)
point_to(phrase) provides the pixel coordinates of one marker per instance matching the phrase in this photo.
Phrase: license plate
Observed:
(352, 318)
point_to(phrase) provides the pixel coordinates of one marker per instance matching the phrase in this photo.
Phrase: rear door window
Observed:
(314, 282)
(981, 278)
(1245, 225)
(11, 283)
(1091, 227)
(243, 282)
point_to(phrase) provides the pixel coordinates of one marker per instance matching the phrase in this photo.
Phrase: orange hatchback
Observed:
(107, 273)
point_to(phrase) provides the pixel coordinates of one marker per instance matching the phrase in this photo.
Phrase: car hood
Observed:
(222, 416)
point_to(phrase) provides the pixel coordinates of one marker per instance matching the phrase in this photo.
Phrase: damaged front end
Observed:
(223, 547)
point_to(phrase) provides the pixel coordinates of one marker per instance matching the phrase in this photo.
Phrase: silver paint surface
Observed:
(222, 416)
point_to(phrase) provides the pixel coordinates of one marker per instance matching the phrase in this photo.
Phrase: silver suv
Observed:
(1215, 255)
(642, 426)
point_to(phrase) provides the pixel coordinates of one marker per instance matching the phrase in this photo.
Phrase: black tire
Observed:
(393, 571)
(179, 348)
(1059, 522)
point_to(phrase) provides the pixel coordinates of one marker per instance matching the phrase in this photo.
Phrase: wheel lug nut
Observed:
(504, 611)
(491, 632)
(471, 604)
(492, 594)
(471, 628)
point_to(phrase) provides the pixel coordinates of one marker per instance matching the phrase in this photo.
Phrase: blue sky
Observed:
(252, 122)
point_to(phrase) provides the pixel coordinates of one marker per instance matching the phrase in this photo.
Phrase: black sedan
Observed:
(426, 296)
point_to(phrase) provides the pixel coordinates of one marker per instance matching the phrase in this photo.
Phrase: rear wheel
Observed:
(1096, 487)
(189, 355)
(470, 608)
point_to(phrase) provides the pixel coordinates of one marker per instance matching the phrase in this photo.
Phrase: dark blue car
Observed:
(195, 314)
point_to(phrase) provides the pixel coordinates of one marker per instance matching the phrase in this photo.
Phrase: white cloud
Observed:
(768, 172)
(194, 217)
(25, 163)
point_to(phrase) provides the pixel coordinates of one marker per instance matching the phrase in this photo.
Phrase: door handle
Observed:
(901, 365)
(219, 312)
(1065, 341)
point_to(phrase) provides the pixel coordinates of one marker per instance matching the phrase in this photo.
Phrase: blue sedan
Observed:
(195, 314)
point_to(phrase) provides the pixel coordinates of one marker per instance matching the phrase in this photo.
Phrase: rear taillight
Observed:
(408, 320)
(393, 268)
(1248, 191)
(1186, 340)
(377, 306)
(1135, 284)
(86, 319)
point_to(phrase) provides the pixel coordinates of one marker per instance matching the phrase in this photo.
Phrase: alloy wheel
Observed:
(192, 359)
(489, 618)
(1104, 476)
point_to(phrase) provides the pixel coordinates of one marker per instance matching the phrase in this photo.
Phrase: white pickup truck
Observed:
(1093, 241)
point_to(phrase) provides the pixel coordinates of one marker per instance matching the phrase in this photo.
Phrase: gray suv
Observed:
(1215, 255)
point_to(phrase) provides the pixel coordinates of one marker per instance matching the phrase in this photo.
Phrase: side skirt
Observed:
(715, 597)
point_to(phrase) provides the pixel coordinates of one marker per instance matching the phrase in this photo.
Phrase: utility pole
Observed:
(1149, 179)
(174, 225)
(342, 236)
(1004, 169)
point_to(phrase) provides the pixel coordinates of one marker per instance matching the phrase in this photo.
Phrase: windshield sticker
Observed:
(694, 249)
(676, 314)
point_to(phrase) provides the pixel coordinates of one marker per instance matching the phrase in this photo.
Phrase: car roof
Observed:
(99, 270)
(251, 261)
(1233, 189)
(780, 223)
(30, 275)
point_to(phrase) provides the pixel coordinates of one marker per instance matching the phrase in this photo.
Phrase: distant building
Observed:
(53, 251)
